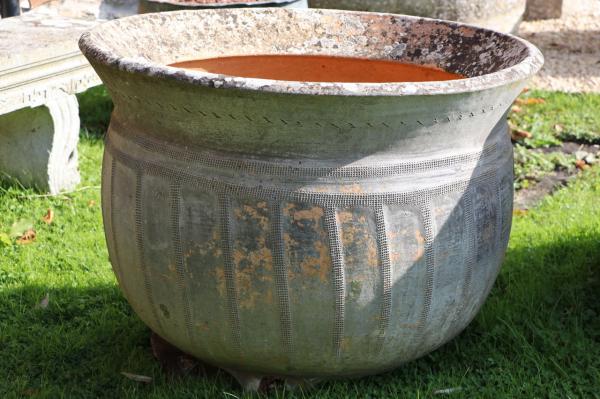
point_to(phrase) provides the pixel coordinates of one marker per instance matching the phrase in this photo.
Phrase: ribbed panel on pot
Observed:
(231, 269)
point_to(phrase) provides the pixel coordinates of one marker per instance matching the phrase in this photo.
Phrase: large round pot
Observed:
(300, 228)
(147, 6)
(502, 15)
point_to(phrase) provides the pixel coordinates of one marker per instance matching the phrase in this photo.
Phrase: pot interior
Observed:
(165, 39)
(317, 68)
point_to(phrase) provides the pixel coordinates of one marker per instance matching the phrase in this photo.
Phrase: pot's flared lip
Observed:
(100, 53)
(192, 5)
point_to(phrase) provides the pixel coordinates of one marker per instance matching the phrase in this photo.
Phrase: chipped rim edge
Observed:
(521, 71)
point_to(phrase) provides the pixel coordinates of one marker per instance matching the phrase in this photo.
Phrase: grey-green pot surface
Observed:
(306, 229)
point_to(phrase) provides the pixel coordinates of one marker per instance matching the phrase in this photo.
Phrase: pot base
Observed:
(177, 363)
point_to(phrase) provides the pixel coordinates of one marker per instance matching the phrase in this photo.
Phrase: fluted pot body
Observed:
(147, 6)
(303, 228)
(502, 15)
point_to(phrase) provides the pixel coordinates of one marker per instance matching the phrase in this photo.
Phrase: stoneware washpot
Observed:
(147, 6)
(297, 228)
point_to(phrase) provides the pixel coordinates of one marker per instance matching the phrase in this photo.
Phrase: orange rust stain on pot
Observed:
(351, 231)
(254, 273)
(356, 231)
(317, 68)
(420, 245)
(352, 189)
(315, 267)
(215, 244)
(249, 212)
(372, 253)
(395, 256)
(346, 343)
(318, 267)
(221, 285)
(314, 214)
(313, 262)
(345, 217)
(439, 211)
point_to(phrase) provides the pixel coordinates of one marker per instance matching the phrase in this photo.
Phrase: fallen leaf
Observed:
(91, 203)
(447, 391)
(137, 377)
(559, 128)
(529, 101)
(27, 238)
(516, 109)
(5, 239)
(525, 90)
(581, 164)
(19, 227)
(48, 217)
(520, 212)
(44, 302)
(519, 134)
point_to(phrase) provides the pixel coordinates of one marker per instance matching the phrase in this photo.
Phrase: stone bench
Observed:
(41, 69)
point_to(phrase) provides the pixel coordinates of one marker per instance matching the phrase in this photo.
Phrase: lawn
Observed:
(66, 331)
(557, 129)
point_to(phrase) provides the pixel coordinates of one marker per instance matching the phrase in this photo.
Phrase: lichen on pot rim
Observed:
(487, 58)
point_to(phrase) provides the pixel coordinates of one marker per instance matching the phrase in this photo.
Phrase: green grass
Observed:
(538, 334)
(561, 117)
(557, 118)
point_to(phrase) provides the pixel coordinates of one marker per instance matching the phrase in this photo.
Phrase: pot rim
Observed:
(241, 3)
(523, 70)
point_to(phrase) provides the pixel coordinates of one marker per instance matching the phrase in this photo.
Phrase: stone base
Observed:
(177, 363)
(38, 146)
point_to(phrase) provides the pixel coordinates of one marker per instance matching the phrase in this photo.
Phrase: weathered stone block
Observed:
(39, 122)
(38, 146)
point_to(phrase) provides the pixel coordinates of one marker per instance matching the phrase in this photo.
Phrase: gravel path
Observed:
(571, 46)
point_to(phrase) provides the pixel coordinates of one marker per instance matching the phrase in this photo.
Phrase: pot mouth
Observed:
(146, 44)
(208, 4)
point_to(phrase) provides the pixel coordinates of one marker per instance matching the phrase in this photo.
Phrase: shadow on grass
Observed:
(538, 333)
(95, 108)
(78, 345)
